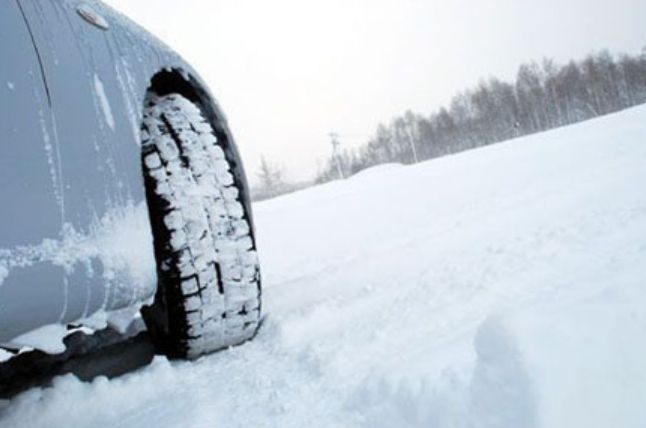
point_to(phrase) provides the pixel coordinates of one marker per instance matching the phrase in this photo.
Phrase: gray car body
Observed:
(74, 239)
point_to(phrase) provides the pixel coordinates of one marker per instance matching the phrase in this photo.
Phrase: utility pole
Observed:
(412, 145)
(336, 153)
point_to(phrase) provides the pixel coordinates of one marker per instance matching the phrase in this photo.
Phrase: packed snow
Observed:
(500, 287)
(223, 300)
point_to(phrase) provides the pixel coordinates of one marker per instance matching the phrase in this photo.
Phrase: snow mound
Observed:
(501, 287)
(499, 378)
(377, 170)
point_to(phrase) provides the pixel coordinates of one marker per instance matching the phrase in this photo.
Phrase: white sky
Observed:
(287, 72)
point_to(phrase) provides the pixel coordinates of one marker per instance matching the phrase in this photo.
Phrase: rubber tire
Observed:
(208, 294)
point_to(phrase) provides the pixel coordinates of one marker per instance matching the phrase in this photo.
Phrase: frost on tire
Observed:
(208, 296)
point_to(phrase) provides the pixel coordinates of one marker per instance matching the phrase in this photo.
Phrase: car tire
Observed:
(208, 294)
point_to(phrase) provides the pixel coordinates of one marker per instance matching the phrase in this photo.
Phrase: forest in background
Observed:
(543, 96)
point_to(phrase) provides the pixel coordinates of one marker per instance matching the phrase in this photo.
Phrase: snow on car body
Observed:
(75, 238)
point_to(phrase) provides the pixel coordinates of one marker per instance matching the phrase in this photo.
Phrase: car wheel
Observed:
(208, 296)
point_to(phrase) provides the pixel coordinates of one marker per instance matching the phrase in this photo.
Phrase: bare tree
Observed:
(543, 96)
(271, 180)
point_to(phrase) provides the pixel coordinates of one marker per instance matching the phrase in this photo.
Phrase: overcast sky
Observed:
(287, 72)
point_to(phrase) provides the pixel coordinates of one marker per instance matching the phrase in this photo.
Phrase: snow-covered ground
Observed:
(501, 287)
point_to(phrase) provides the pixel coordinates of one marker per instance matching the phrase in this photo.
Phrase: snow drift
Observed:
(501, 287)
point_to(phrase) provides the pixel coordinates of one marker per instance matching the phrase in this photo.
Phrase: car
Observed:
(124, 197)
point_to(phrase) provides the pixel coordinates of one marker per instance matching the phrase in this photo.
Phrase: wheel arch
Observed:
(181, 81)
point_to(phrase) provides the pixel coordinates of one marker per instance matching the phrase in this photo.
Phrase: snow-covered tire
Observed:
(208, 296)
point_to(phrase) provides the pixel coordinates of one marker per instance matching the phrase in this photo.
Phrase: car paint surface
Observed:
(74, 232)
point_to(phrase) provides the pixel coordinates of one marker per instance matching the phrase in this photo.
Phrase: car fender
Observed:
(78, 241)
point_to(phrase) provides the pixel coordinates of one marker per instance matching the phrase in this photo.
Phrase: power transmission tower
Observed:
(336, 153)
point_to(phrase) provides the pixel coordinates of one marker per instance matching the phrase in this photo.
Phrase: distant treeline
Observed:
(543, 96)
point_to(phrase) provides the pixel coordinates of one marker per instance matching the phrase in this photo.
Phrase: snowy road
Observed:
(501, 287)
